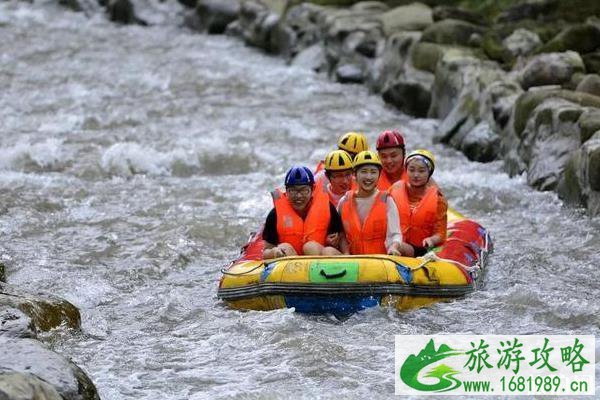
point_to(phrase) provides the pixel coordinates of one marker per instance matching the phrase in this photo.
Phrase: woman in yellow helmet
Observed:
(422, 207)
(370, 217)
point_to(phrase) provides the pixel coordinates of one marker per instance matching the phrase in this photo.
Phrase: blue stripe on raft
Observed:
(267, 271)
(331, 305)
(405, 273)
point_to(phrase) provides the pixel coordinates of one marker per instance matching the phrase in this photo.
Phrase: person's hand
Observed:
(394, 249)
(333, 240)
(278, 252)
(429, 242)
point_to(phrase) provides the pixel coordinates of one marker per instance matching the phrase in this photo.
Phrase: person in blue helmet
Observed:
(302, 221)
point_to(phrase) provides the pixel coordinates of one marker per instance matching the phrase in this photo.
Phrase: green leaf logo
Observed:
(413, 365)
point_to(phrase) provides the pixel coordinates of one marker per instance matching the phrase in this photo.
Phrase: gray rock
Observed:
(393, 60)
(413, 98)
(413, 17)
(481, 143)
(451, 31)
(24, 386)
(215, 15)
(2, 272)
(28, 356)
(312, 57)
(15, 324)
(582, 38)
(457, 13)
(530, 9)
(592, 62)
(370, 6)
(521, 42)
(589, 123)
(551, 69)
(590, 84)
(591, 152)
(46, 311)
(349, 73)
(123, 12)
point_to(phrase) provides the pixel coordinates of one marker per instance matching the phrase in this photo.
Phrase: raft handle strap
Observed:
(333, 276)
(225, 272)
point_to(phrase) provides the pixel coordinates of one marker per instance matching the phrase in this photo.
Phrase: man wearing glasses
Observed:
(303, 221)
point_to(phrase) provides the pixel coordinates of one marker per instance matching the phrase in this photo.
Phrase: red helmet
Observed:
(389, 139)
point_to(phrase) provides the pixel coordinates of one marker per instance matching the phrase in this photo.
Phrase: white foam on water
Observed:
(49, 155)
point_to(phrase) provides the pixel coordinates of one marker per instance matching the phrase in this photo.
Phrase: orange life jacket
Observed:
(417, 221)
(320, 166)
(296, 231)
(385, 183)
(370, 237)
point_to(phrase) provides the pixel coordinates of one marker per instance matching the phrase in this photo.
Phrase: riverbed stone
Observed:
(123, 12)
(24, 386)
(589, 123)
(2, 272)
(16, 324)
(521, 42)
(46, 311)
(312, 57)
(481, 143)
(451, 31)
(529, 9)
(28, 356)
(590, 84)
(551, 69)
(582, 38)
(592, 62)
(349, 73)
(412, 17)
(215, 15)
(413, 98)
(440, 13)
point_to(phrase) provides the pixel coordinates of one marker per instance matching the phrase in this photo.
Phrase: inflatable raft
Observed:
(342, 285)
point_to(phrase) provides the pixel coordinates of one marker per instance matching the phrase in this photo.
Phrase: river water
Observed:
(135, 161)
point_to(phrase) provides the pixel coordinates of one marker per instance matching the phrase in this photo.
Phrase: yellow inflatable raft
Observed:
(346, 284)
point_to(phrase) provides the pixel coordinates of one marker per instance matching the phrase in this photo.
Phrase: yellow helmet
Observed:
(338, 160)
(423, 154)
(367, 157)
(353, 142)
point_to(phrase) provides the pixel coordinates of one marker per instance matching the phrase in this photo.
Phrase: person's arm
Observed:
(393, 237)
(271, 237)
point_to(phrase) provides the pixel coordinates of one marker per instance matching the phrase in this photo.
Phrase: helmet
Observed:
(426, 155)
(353, 142)
(367, 157)
(338, 160)
(389, 139)
(299, 175)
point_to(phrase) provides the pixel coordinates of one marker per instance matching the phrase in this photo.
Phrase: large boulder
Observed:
(529, 9)
(215, 15)
(28, 356)
(412, 17)
(582, 38)
(46, 311)
(25, 386)
(580, 183)
(451, 31)
(312, 57)
(123, 12)
(521, 42)
(551, 69)
(589, 123)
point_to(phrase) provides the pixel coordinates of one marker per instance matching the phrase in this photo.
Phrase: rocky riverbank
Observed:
(28, 368)
(519, 84)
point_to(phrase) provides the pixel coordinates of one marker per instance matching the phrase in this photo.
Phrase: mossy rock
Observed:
(593, 158)
(589, 123)
(592, 62)
(46, 311)
(493, 48)
(413, 17)
(528, 101)
(569, 186)
(451, 31)
(582, 38)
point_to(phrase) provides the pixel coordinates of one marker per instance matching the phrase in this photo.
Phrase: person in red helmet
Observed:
(390, 148)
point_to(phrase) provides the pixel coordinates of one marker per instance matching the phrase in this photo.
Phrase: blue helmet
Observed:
(299, 175)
